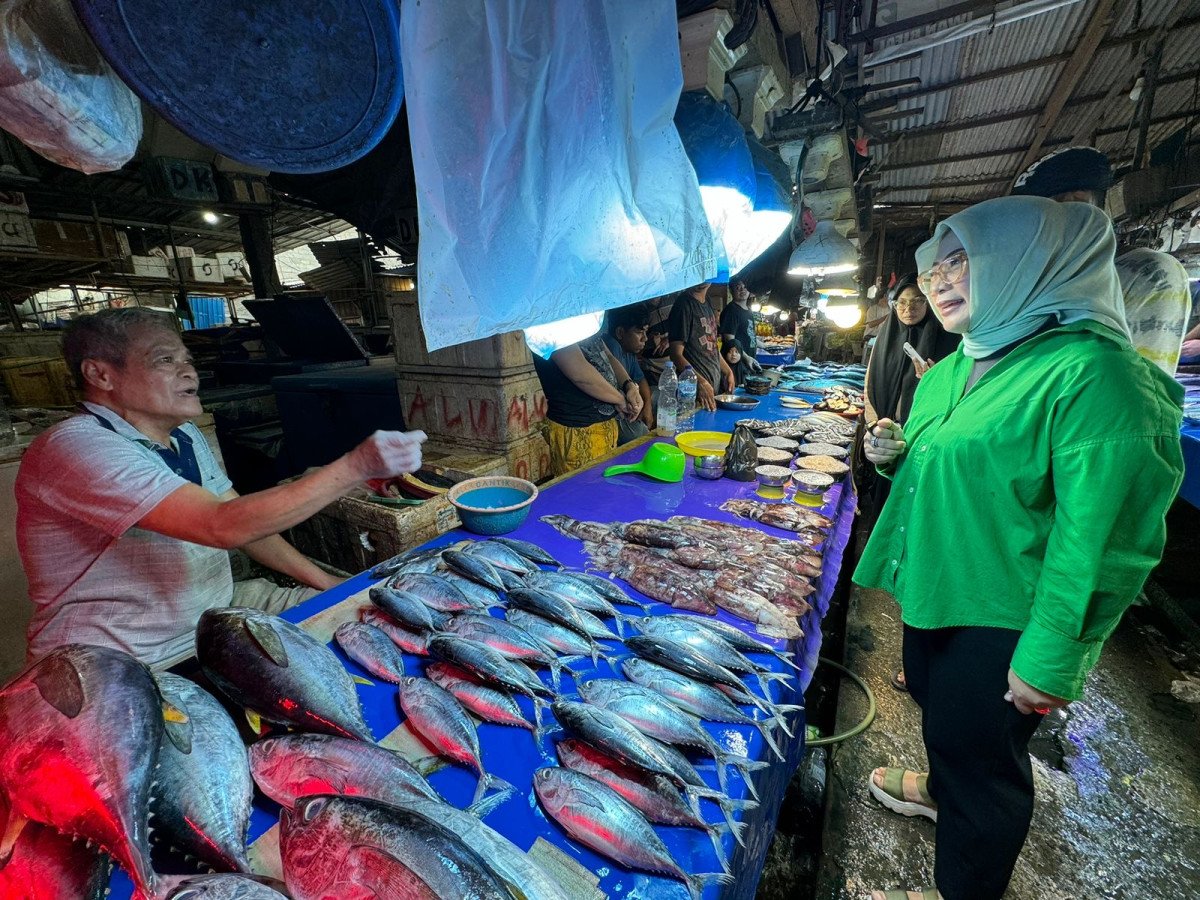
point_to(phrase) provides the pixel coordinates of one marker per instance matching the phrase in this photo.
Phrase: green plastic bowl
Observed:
(496, 504)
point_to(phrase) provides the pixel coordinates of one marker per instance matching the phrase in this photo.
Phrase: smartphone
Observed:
(913, 354)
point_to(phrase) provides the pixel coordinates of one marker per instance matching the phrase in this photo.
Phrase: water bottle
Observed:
(687, 400)
(667, 400)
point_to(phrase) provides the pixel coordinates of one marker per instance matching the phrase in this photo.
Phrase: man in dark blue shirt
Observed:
(625, 335)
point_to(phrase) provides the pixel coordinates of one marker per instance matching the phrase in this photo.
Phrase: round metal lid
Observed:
(289, 85)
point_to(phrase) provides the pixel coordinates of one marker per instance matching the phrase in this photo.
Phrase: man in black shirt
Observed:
(737, 322)
(692, 330)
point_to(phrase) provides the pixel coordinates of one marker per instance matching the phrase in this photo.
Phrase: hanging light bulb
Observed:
(756, 306)
(844, 312)
(545, 339)
(825, 252)
(838, 286)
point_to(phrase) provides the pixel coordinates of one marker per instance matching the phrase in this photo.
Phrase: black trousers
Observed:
(978, 746)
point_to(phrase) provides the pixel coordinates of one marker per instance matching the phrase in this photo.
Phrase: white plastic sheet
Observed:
(57, 95)
(550, 178)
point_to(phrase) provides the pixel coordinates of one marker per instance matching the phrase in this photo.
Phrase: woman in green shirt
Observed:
(1030, 486)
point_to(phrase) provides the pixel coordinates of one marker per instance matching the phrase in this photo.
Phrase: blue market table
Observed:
(781, 358)
(510, 753)
(1189, 436)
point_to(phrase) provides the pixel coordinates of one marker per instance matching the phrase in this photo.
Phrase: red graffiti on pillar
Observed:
(518, 414)
(522, 469)
(483, 418)
(417, 410)
(451, 421)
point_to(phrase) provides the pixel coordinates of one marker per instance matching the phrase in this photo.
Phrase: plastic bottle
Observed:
(668, 402)
(687, 400)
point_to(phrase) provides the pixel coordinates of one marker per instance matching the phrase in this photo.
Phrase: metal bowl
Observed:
(736, 401)
(709, 467)
(773, 476)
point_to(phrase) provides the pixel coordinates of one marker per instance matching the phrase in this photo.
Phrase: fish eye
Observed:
(313, 808)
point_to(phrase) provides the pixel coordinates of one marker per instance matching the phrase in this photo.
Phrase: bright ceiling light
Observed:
(545, 339)
(824, 252)
(755, 306)
(844, 313)
(838, 286)
(210, 217)
(769, 310)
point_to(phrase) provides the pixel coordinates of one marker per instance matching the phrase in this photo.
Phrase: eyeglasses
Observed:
(908, 304)
(950, 270)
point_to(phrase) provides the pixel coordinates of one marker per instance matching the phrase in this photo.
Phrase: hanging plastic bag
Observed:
(550, 178)
(57, 95)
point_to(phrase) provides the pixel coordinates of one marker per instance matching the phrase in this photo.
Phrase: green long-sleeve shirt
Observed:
(1036, 502)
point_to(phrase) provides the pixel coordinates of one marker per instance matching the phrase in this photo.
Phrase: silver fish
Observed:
(489, 703)
(482, 598)
(711, 646)
(734, 636)
(435, 592)
(580, 594)
(651, 713)
(558, 609)
(282, 673)
(352, 847)
(686, 661)
(441, 720)
(390, 567)
(600, 819)
(531, 552)
(372, 649)
(408, 641)
(407, 609)
(559, 637)
(654, 796)
(46, 865)
(204, 786)
(506, 639)
(91, 718)
(474, 568)
(606, 589)
(500, 556)
(229, 887)
(488, 664)
(702, 700)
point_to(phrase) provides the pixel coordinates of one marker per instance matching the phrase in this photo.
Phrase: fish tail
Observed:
(631, 621)
(595, 654)
(737, 829)
(728, 807)
(619, 621)
(492, 782)
(788, 659)
(744, 767)
(775, 676)
(764, 729)
(697, 883)
(714, 835)
(481, 808)
(556, 668)
(722, 775)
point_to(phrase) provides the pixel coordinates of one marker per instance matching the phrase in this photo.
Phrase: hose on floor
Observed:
(861, 726)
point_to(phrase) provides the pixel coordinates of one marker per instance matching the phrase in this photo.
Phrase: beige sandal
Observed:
(900, 784)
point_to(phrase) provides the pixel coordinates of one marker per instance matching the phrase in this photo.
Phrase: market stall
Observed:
(510, 753)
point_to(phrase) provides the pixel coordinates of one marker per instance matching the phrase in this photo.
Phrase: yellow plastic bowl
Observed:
(703, 443)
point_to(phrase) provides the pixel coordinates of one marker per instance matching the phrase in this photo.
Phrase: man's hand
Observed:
(705, 395)
(1028, 699)
(922, 367)
(386, 454)
(728, 375)
(1190, 349)
(633, 398)
(884, 442)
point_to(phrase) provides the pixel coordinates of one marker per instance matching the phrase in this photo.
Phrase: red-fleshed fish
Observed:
(489, 703)
(90, 718)
(408, 641)
(599, 818)
(354, 848)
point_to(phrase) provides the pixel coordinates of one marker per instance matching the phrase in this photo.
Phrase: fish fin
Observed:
(787, 659)
(256, 723)
(178, 727)
(482, 808)
(764, 729)
(488, 782)
(728, 807)
(61, 685)
(714, 834)
(358, 679)
(268, 641)
(696, 883)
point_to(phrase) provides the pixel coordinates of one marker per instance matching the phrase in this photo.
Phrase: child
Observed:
(739, 363)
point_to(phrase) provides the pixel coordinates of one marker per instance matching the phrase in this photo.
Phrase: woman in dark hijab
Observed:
(891, 375)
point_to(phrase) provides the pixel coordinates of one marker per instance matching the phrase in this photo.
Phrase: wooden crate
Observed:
(353, 535)
(478, 411)
(37, 381)
(528, 459)
(502, 354)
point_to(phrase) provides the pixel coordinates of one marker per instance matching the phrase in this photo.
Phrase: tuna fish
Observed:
(442, 722)
(710, 645)
(478, 570)
(481, 598)
(685, 660)
(435, 592)
(654, 796)
(500, 556)
(506, 639)
(204, 789)
(229, 887)
(270, 666)
(408, 641)
(46, 865)
(606, 589)
(549, 606)
(390, 567)
(578, 593)
(372, 649)
(407, 609)
(91, 718)
(557, 636)
(702, 700)
(734, 636)
(600, 819)
(357, 848)
(531, 552)
(489, 703)
(487, 664)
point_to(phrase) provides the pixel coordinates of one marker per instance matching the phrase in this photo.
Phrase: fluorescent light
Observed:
(824, 252)
(210, 217)
(545, 339)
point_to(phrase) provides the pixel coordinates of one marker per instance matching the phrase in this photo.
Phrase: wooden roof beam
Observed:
(1081, 59)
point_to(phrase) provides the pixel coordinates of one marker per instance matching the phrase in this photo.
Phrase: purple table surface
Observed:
(511, 754)
(1190, 438)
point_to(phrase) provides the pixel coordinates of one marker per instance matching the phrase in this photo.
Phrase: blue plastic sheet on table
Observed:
(1190, 440)
(510, 754)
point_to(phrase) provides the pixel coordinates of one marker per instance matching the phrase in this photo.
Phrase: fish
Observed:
(408, 641)
(478, 570)
(202, 803)
(531, 552)
(482, 597)
(552, 607)
(442, 722)
(500, 556)
(683, 659)
(351, 847)
(576, 528)
(489, 703)
(390, 567)
(736, 638)
(652, 714)
(435, 592)
(578, 593)
(600, 819)
(487, 664)
(710, 645)
(407, 609)
(510, 580)
(91, 718)
(506, 639)
(285, 675)
(654, 796)
(606, 589)
(46, 865)
(554, 635)
(372, 649)
(228, 886)
(699, 699)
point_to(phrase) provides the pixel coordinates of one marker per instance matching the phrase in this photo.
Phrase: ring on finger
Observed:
(874, 441)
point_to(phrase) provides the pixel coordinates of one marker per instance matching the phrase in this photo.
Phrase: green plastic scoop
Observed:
(666, 462)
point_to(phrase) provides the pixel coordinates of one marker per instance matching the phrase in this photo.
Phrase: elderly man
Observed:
(124, 518)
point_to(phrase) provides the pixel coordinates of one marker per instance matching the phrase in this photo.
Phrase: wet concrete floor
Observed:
(1117, 777)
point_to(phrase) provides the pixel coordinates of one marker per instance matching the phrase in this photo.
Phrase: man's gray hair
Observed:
(106, 336)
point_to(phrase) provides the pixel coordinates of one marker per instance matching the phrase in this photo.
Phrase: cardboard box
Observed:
(481, 412)
(233, 266)
(78, 239)
(200, 268)
(168, 252)
(145, 267)
(16, 232)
